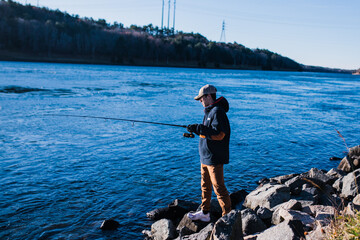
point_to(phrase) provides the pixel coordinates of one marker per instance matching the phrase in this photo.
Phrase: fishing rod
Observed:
(188, 135)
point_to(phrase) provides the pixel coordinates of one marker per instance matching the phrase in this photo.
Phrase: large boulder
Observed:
(109, 224)
(189, 226)
(204, 234)
(295, 183)
(237, 198)
(282, 179)
(290, 205)
(265, 215)
(305, 218)
(318, 233)
(251, 223)
(215, 209)
(267, 196)
(356, 202)
(319, 175)
(338, 184)
(163, 229)
(174, 211)
(317, 209)
(287, 230)
(352, 160)
(228, 227)
(350, 184)
(337, 173)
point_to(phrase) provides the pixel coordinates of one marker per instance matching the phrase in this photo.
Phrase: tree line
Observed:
(52, 34)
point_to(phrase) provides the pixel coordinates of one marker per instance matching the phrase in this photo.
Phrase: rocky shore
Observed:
(295, 206)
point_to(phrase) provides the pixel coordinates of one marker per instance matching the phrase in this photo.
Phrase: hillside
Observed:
(29, 33)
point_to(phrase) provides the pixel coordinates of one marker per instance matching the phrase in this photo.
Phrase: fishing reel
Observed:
(189, 135)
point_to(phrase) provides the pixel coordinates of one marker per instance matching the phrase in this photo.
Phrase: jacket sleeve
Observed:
(217, 130)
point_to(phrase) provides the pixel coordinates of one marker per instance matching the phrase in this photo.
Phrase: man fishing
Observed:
(214, 135)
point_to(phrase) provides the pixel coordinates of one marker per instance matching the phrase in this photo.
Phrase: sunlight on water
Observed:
(61, 176)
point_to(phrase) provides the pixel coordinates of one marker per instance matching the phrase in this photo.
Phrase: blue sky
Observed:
(312, 32)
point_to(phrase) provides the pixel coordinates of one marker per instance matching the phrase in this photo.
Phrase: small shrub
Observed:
(345, 227)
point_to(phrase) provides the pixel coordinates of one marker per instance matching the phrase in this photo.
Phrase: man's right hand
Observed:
(192, 128)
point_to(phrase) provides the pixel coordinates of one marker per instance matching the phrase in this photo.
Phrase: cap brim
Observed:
(197, 98)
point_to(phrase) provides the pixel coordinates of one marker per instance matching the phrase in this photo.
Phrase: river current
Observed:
(60, 177)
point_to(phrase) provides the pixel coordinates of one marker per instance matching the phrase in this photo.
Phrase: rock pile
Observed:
(296, 206)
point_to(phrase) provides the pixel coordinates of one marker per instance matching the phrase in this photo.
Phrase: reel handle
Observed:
(189, 135)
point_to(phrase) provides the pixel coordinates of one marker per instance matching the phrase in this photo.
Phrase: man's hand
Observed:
(192, 128)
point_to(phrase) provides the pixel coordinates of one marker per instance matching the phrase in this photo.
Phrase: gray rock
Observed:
(283, 179)
(338, 184)
(356, 201)
(291, 204)
(175, 210)
(350, 186)
(305, 203)
(287, 230)
(318, 233)
(305, 218)
(317, 209)
(337, 173)
(251, 237)
(324, 219)
(350, 209)
(251, 223)
(307, 194)
(228, 227)
(215, 209)
(267, 196)
(262, 181)
(319, 175)
(264, 213)
(183, 205)
(187, 225)
(204, 234)
(163, 229)
(159, 213)
(294, 183)
(237, 198)
(352, 161)
(109, 224)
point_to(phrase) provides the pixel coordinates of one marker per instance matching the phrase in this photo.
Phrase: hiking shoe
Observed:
(199, 216)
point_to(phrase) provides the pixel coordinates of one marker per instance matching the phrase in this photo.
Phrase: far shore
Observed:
(27, 57)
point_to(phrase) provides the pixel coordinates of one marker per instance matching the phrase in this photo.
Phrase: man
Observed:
(214, 135)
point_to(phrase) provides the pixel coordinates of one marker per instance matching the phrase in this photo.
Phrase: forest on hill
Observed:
(29, 33)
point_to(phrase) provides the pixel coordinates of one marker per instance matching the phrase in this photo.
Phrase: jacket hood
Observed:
(220, 102)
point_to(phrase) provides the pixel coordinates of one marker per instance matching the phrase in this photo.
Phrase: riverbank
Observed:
(71, 59)
(296, 206)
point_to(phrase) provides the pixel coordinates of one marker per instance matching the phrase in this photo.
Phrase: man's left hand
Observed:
(192, 127)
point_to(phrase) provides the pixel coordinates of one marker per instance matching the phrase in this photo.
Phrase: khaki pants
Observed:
(214, 175)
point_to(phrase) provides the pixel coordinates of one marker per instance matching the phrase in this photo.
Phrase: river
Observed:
(62, 176)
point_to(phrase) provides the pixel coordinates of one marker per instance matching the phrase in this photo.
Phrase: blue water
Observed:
(61, 176)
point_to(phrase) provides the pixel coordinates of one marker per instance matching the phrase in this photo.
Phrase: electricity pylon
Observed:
(222, 37)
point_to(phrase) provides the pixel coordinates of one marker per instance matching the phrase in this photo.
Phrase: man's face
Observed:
(206, 100)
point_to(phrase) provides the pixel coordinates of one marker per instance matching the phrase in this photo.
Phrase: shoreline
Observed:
(69, 59)
(295, 206)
